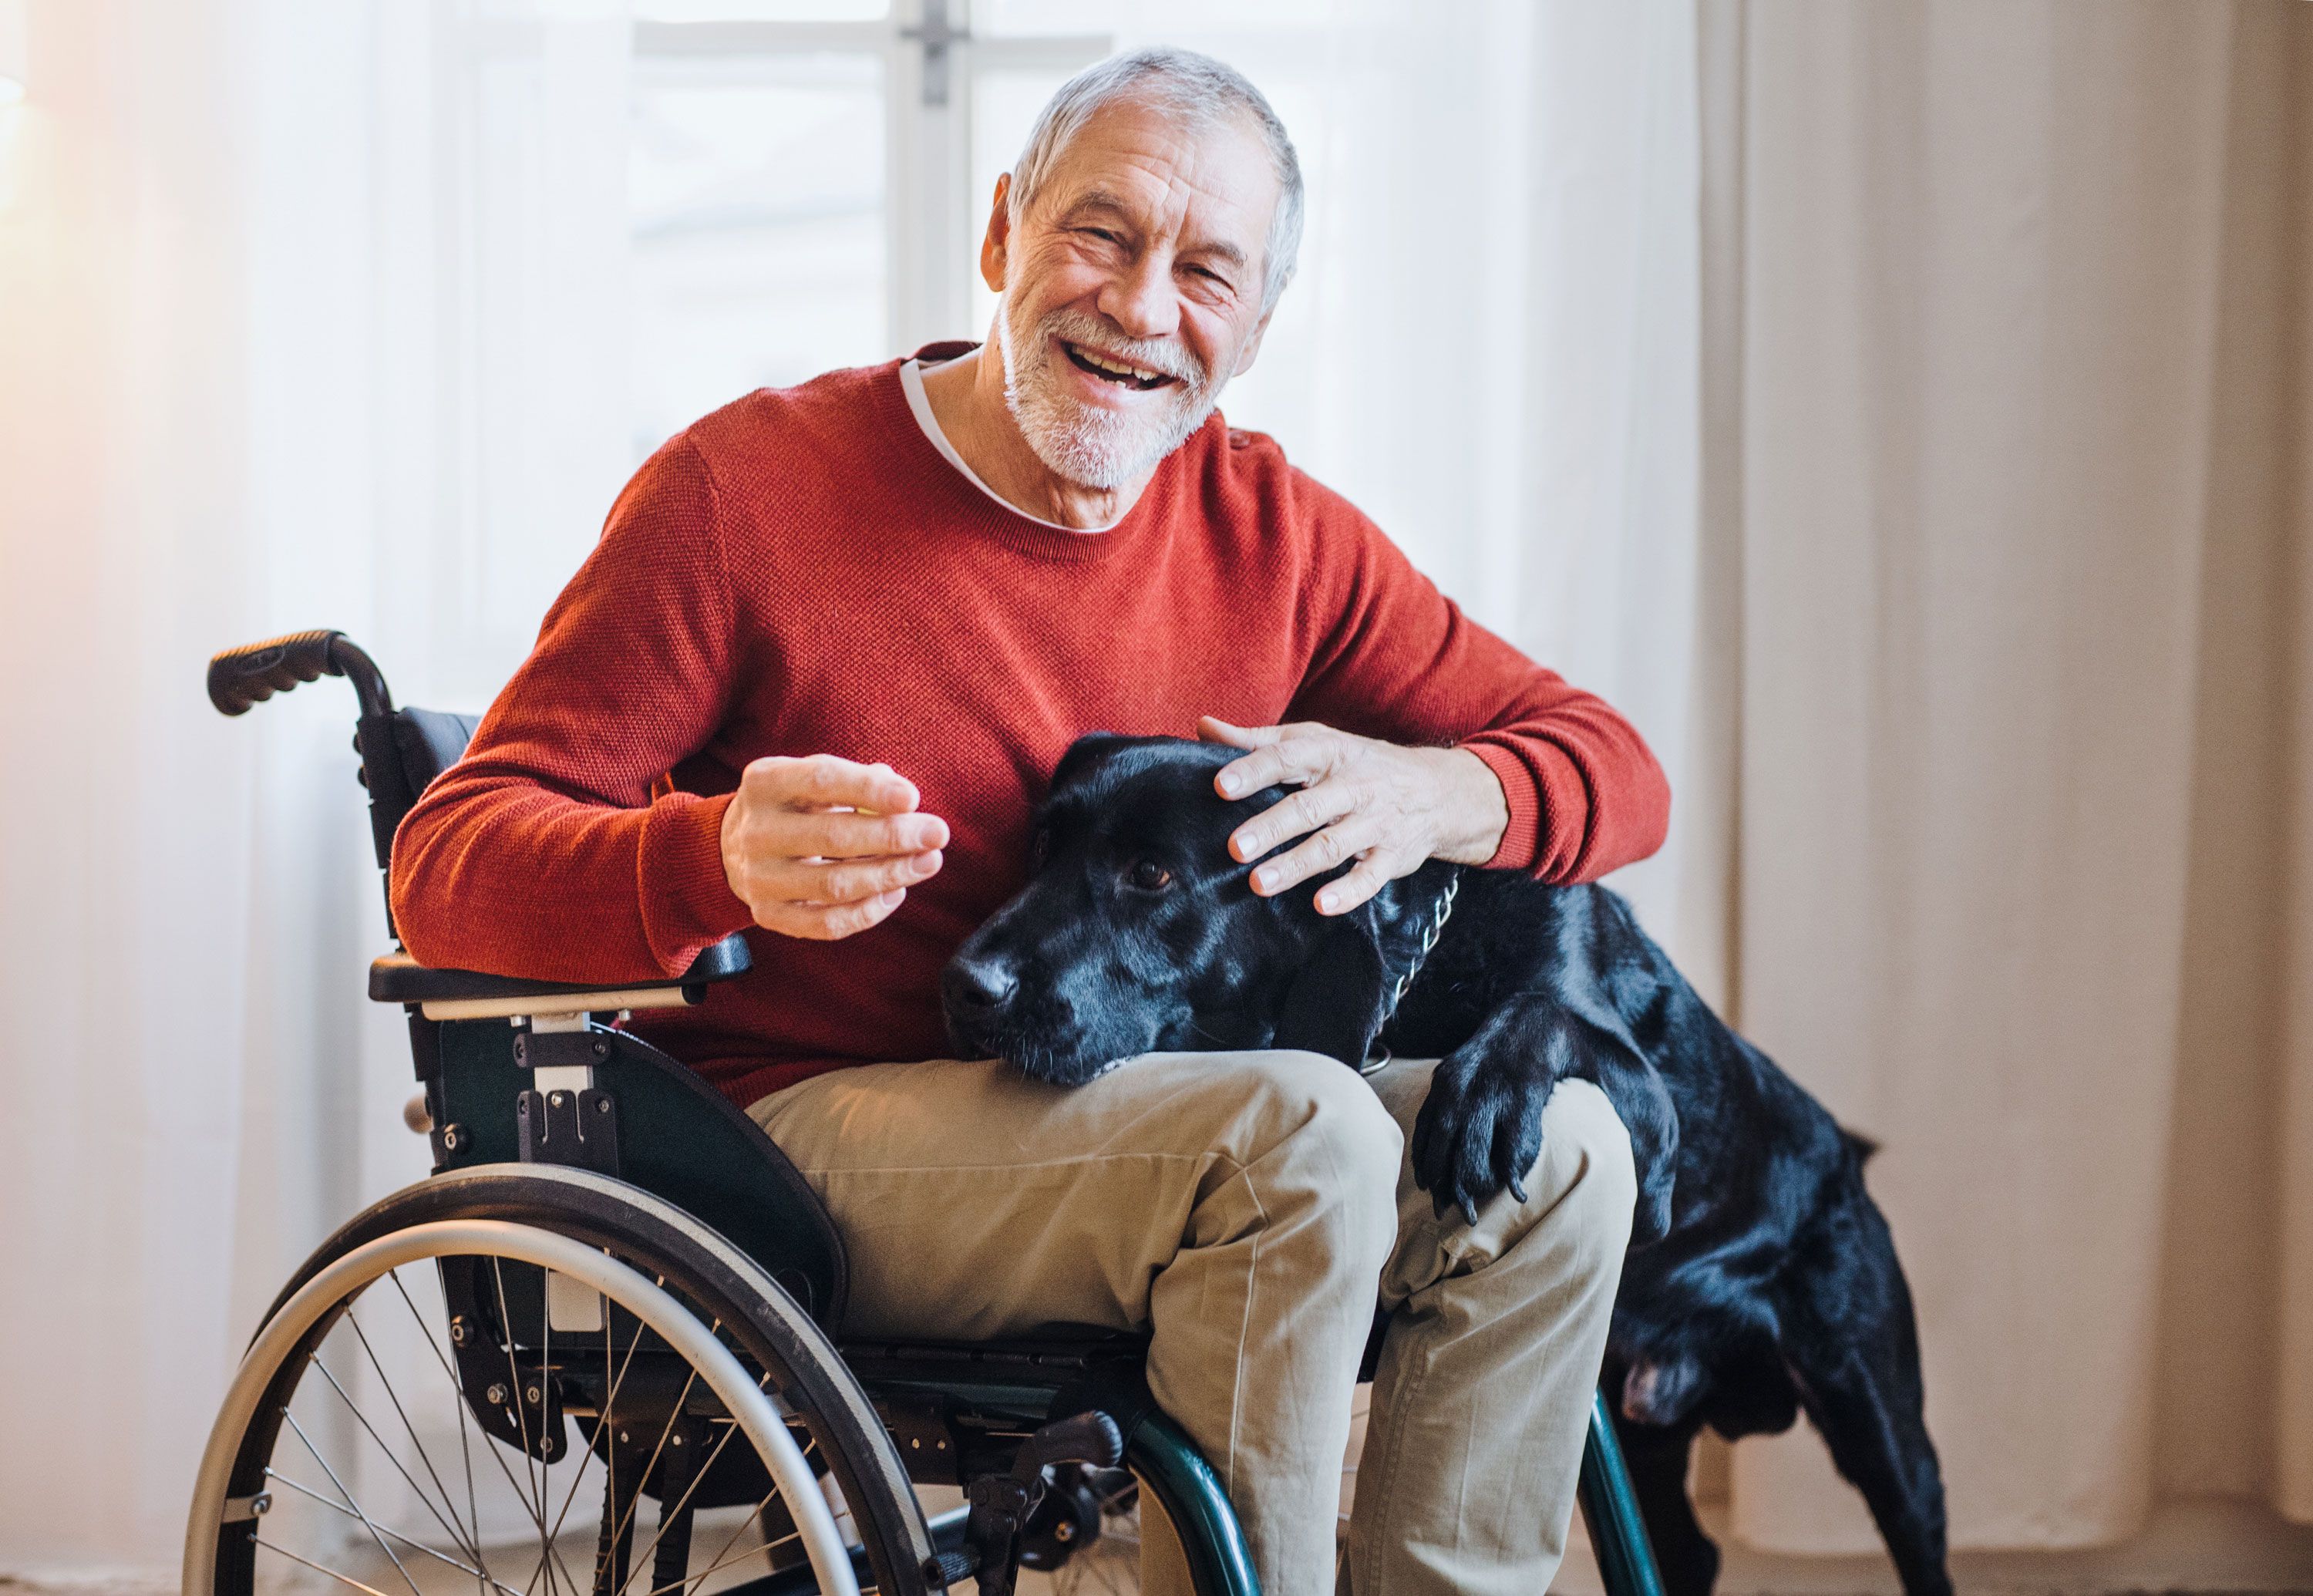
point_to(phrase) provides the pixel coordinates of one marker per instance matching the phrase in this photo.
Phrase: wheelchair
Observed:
(615, 1299)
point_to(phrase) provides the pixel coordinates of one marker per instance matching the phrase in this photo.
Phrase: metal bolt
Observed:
(678, 1438)
(496, 1396)
(451, 1135)
(532, 1395)
(261, 1503)
(622, 1438)
(602, 1050)
(602, 1105)
(558, 1098)
(461, 1332)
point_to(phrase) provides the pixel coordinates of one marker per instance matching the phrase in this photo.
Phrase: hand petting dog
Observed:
(1390, 808)
(1762, 1280)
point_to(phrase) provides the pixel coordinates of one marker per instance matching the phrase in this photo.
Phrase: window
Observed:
(809, 182)
(640, 214)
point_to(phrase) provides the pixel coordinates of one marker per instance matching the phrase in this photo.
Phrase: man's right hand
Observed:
(823, 847)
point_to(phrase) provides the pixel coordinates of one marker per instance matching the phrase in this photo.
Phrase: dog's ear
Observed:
(1333, 1002)
(1339, 1001)
(1333, 1005)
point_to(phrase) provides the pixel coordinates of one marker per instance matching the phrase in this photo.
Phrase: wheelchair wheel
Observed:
(1105, 1561)
(525, 1378)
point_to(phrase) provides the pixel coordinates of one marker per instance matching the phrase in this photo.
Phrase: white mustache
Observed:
(1077, 328)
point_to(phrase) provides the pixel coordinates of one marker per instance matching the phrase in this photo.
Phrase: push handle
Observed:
(242, 677)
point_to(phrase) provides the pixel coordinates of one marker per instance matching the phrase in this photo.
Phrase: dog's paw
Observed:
(1479, 1131)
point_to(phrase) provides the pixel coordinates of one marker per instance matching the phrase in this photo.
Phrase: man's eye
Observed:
(1150, 875)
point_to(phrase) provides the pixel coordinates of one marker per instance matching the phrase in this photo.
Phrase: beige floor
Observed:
(2203, 1549)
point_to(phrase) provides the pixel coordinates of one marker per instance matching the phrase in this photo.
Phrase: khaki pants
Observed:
(1246, 1208)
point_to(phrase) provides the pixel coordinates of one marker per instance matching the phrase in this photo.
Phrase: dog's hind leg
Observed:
(1853, 1353)
(1656, 1457)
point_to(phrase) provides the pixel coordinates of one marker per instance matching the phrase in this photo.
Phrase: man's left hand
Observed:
(1390, 808)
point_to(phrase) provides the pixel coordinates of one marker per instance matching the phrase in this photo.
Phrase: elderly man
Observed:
(812, 681)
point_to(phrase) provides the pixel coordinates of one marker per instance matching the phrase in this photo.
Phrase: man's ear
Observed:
(996, 244)
(1244, 357)
(1333, 1003)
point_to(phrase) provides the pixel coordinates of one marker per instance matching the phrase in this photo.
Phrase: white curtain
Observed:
(243, 389)
(2019, 317)
(1902, 411)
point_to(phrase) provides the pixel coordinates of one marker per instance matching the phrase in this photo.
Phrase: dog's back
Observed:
(1776, 1287)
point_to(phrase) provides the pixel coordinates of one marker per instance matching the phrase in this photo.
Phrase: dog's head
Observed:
(1137, 933)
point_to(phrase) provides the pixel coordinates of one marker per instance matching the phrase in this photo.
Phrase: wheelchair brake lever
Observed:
(1001, 1503)
(1087, 1438)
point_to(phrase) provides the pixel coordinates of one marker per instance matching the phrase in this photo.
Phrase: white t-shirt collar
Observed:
(919, 405)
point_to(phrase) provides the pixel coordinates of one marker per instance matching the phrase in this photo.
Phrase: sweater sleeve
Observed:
(1395, 659)
(542, 853)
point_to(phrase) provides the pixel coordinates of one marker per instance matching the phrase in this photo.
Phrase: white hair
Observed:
(1199, 91)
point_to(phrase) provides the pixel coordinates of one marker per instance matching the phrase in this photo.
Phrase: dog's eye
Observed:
(1150, 875)
(1039, 848)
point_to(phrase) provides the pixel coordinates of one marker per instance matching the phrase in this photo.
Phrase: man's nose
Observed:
(1143, 302)
(978, 985)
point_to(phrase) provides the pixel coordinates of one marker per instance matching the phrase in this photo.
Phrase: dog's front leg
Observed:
(1480, 1130)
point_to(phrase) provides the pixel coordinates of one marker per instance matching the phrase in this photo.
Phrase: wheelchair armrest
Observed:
(470, 994)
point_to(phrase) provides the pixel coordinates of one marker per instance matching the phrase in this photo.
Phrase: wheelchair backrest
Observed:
(663, 1127)
(429, 742)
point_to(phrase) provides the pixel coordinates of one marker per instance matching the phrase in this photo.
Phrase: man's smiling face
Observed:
(1132, 287)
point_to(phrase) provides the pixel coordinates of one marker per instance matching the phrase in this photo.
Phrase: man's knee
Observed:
(1586, 1156)
(1310, 1131)
(1322, 1111)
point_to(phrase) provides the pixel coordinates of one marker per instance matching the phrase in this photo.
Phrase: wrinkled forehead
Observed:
(1207, 179)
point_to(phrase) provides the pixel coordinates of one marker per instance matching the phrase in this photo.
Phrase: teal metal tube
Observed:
(1189, 1493)
(1610, 1508)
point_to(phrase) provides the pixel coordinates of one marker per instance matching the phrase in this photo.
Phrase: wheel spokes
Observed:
(667, 1511)
(354, 1525)
(279, 1477)
(363, 1419)
(367, 1523)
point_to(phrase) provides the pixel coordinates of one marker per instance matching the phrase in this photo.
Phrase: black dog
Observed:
(1760, 1279)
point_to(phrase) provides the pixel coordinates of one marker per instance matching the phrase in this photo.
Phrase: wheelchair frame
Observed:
(519, 1073)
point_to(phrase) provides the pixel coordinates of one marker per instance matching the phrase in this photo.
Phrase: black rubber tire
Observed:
(656, 1239)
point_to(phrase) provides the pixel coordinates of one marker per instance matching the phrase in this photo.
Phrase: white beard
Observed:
(1092, 448)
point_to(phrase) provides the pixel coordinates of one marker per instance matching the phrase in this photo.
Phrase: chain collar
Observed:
(1377, 1055)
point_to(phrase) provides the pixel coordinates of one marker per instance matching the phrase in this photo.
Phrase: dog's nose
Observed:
(980, 984)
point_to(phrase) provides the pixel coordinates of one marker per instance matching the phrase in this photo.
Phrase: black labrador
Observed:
(1761, 1279)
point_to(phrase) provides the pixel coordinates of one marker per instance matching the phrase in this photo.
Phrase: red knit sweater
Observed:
(801, 572)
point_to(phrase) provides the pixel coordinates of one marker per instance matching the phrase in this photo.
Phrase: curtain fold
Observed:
(235, 401)
(2021, 445)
